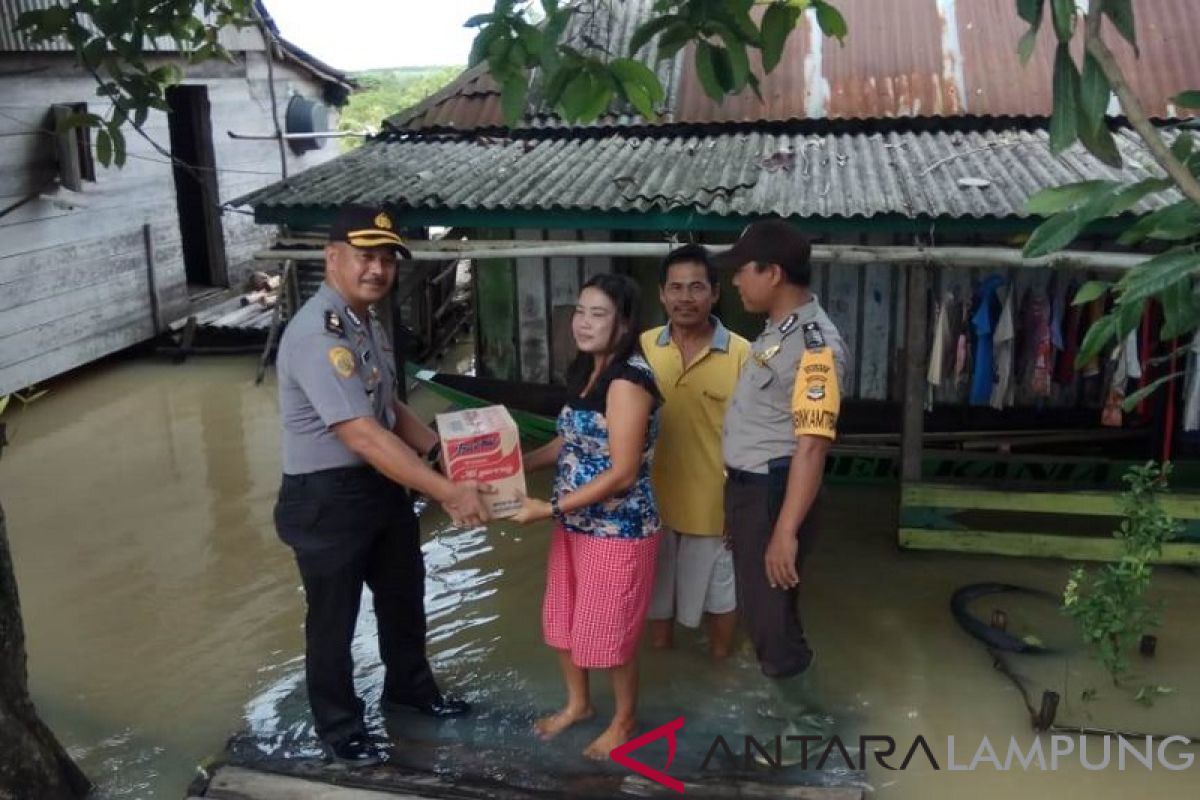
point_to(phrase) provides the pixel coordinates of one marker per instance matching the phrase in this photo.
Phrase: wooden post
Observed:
(1048, 711)
(152, 279)
(914, 374)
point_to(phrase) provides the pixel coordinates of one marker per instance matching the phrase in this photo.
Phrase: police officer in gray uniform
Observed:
(778, 429)
(350, 449)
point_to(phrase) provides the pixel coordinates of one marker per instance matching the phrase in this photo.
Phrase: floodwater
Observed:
(163, 615)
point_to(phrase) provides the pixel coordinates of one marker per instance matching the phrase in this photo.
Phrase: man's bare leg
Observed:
(721, 629)
(662, 633)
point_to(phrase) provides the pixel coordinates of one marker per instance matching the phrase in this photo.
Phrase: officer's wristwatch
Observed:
(555, 510)
(434, 457)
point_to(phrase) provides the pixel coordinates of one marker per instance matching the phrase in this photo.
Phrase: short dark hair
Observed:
(693, 253)
(772, 241)
(798, 274)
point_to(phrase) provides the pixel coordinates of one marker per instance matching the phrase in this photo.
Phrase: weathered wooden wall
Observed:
(74, 281)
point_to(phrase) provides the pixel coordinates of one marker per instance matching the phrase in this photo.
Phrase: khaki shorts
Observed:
(694, 577)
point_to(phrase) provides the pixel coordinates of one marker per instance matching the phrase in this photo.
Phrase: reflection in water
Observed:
(163, 615)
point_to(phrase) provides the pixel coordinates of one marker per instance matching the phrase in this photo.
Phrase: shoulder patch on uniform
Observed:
(333, 323)
(786, 326)
(342, 360)
(813, 338)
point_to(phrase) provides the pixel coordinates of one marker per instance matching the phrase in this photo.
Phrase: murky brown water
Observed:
(163, 615)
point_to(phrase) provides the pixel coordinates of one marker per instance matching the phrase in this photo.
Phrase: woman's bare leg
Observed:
(579, 704)
(624, 721)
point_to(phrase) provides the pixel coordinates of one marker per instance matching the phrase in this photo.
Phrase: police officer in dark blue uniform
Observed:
(351, 452)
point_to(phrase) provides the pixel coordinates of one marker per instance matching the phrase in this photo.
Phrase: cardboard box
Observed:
(484, 444)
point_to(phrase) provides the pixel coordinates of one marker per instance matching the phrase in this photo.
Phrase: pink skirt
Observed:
(597, 595)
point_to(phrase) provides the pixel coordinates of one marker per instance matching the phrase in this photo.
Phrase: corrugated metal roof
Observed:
(902, 58)
(16, 42)
(743, 174)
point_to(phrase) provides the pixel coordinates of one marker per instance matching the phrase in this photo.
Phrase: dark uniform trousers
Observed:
(771, 616)
(349, 527)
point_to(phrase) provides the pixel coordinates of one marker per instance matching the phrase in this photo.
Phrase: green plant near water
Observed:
(1109, 602)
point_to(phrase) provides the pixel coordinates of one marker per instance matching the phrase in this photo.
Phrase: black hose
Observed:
(993, 637)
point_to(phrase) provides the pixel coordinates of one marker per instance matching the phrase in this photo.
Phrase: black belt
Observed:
(340, 476)
(748, 478)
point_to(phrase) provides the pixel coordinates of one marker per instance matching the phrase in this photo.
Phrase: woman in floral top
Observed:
(601, 565)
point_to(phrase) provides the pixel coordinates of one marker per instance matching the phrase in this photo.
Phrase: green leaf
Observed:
(1065, 197)
(1100, 143)
(777, 24)
(1176, 222)
(739, 62)
(1183, 146)
(600, 98)
(478, 20)
(103, 147)
(1158, 274)
(1099, 334)
(1054, 234)
(648, 30)
(513, 93)
(118, 143)
(577, 95)
(1027, 44)
(831, 20)
(628, 70)
(1063, 130)
(1190, 99)
(706, 70)
(1089, 292)
(1063, 12)
(673, 40)
(1141, 394)
(483, 44)
(1181, 311)
(1031, 11)
(1129, 315)
(1120, 13)
(1094, 94)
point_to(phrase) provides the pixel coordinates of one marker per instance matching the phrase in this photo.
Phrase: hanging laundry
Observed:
(1095, 310)
(1002, 355)
(1038, 349)
(939, 351)
(1072, 335)
(1191, 407)
(962, 346)
(983, 323)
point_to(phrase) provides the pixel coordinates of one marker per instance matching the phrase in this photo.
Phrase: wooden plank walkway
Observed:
(240, 783)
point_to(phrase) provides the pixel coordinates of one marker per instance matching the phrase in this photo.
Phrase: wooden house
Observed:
(93, 260)
(924, 128)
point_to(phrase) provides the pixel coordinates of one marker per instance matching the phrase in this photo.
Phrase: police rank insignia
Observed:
(788, 324)
(766, 355)
(813, 338)
(342, 360)
(353, 317)
(333, 323)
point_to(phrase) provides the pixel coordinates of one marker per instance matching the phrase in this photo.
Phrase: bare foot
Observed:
(661, 634)
(549, 727)
(617, 734)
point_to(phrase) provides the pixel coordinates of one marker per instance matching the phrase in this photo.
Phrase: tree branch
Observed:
(1141, 123)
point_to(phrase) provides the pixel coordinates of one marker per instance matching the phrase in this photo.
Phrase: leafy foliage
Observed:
(580, 78)
(1081, 101)
(114, 40)
(1109, 603)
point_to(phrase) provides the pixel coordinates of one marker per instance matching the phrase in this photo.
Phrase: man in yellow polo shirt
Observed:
(696, 362)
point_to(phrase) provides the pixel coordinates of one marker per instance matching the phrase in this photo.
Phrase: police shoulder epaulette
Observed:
(788, 324)
(813, 338)
(333, 323)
